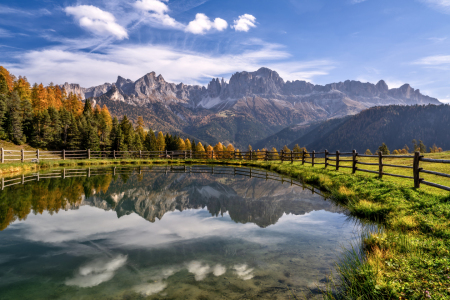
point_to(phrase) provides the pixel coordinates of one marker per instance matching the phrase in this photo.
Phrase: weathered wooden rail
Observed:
(90, 172)
(329, 159)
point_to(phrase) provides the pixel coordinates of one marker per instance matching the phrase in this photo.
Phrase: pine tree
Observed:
(230, 151)
(14, 119)
(55, 128)
(90, 139)
(160, 142)
(193, 146)
(137, 143)
(384, 149)
(218, 148)
(140, 127)
(39, 98)
(73, 141)
(368, 152)
(3, 99)
(422, 147)
(298, 150)
(51, 98)
(127, 131)
(286, 149)
(150, 141)
(27, 118)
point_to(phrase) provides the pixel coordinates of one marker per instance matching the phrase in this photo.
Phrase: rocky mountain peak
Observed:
(382, 86)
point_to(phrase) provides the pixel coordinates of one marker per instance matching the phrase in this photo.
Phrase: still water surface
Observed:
(167, 235)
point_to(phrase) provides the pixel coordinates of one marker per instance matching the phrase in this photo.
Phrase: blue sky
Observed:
(322, 41)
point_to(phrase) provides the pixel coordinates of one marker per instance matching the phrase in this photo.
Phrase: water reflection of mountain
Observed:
(246, 199)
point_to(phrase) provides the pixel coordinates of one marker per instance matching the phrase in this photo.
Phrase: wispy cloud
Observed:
(5, 33)
(437, 60)
(357, 1)
(244, 23)
(440, 5)
(133, 61)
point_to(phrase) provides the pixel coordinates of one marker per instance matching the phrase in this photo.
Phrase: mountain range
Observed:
(247, 109)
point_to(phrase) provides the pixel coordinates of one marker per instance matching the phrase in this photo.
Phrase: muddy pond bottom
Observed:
(165, 233)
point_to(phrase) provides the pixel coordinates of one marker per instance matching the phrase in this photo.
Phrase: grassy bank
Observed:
(408, 259)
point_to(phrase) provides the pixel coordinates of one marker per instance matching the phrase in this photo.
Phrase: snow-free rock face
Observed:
(248, 108)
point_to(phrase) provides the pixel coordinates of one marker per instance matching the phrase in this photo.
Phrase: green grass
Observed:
(409, 258)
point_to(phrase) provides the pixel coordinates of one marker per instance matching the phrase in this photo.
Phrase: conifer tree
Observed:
(422, 147)
(368, 152)
(73, 141)
(230, 150)
(298, 150)
(51, 98)
(27, 118)
(14, 119)
(8, 78)
(90, 139)
(150, 141)
(3, 99)
(137, 143)
(193, 146)
(218, 148)
(286, 149)
(384, 149)
(140, 127)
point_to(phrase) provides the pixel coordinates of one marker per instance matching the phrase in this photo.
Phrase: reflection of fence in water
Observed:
(88, 172)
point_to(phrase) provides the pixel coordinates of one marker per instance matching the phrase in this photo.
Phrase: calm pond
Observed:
(196, 232)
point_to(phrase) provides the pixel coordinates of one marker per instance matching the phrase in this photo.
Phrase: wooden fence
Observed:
(89, 172)
(330, 159)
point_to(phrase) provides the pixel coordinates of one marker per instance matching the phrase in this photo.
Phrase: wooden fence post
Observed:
(190, 156)
(282, 156)
(326, 158)
(3, 156)
(234, 155)
(416, 170)
(22, 158)
(354, 154)
(185, 155)
(64, 154)
(89, 153)
(37, 154)
(114, 154)
(303, 157)
(140, 154)
(292, 156)
(251, 155)
(313, 155)
(212, 153)
(380, 164)
(337, 160)
(266, 157)
(166, 155)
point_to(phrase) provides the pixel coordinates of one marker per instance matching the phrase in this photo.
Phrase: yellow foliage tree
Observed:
(274, 155)
(106, 116)
(218, 148)
(188, 145)
(22, 88)
(209, 151)
(230, 151)
(160, 141)
(9, 78)
(181, 144)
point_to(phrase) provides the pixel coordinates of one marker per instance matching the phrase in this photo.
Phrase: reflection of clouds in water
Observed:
(97, 271)
(219, 270)
(201, 270)
(150, 288)
(65, 227)
(243, 272)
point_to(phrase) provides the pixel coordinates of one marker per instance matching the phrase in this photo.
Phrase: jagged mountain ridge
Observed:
(248, 108)
(264, 83)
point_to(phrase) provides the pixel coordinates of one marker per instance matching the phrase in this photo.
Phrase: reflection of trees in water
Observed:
(152, 195)
(51, 195)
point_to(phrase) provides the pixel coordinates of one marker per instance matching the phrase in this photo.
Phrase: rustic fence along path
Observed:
(89, 172)
(328, 159)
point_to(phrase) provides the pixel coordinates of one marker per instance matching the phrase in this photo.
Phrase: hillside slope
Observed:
(393, 125)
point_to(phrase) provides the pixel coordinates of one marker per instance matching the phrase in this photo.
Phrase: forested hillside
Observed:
(393, 125)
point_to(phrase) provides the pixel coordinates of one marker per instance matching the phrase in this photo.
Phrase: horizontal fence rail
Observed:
(89, 172)
(311, 158)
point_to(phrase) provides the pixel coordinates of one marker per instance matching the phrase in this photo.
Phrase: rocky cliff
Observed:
(248, 108)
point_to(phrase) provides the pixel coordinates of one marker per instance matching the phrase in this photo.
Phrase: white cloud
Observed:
(437, 60)
(97, 272)
(5, 33)
(244, 272)
(244, 23)
(97, 21)
(202, 24)
(133, 61)
(357, 1)
(152, 5)
(440, 5)
(150, 288)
